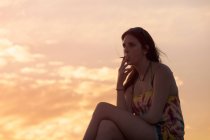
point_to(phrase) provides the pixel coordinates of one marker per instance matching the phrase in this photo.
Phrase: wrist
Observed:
(120, 85)
(118, 89)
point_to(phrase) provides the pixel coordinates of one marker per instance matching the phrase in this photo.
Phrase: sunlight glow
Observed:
(59, 58)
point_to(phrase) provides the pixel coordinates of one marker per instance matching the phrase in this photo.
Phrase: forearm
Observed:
(122, 75)
(121, 103)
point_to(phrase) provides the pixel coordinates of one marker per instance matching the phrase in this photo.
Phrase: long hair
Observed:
(152, 54)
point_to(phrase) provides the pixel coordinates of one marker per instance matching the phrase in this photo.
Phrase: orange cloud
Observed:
(10, 52)
(39, 98)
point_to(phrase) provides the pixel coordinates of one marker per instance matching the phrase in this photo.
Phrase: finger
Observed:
(127, 67)
(123, 61)
(124, 67)
(127, 73)
(128, 70)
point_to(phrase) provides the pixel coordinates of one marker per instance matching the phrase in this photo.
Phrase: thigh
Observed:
(109, 130)
(132, 127)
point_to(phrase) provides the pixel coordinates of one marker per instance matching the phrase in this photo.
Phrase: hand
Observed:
(123, 73)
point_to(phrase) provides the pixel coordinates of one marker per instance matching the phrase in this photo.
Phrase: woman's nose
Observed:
(125, 50)
(125, 53)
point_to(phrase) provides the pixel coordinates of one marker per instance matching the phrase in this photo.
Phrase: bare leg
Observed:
(132, 127)
(109, 131)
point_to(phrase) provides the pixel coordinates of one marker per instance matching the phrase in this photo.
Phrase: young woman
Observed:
(148, 106)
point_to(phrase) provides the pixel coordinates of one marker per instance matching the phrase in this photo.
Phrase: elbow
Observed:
(153, 119)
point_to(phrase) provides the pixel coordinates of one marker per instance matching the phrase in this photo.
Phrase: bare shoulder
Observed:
(161, 69)
(164, 73)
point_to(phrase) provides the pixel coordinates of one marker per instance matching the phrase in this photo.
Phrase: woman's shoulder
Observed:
(163, 71)
(161, 68)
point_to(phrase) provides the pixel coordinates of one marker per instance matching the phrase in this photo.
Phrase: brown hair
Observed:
(145, 39)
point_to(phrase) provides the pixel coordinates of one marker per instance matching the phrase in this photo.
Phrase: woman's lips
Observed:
(126, 58)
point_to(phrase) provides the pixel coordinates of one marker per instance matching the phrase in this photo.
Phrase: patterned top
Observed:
(171, 123)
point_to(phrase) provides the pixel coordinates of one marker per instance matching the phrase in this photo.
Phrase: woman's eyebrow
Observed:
(131, 43)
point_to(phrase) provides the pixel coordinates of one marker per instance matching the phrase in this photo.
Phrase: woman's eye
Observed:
(131, 44)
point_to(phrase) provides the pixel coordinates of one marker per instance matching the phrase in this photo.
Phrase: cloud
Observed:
(3, 31)
(38, 100)
(64, 127)
(55, 63)
(11, 52)
(93, 88)
(81, 72)
(8, 79)
(30, 70)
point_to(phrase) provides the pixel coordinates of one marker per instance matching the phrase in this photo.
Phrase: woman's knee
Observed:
(102, 105)
(100, 108)
(107, 126)
(107, 129)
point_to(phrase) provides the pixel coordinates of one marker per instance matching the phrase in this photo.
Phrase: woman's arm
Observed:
(162, 87)
(121, 103)
(124, 99)
(123, 72)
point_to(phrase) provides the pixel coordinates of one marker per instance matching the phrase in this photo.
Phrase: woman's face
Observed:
(133, 50)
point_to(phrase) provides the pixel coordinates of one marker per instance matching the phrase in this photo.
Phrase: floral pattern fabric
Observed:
(171, 124)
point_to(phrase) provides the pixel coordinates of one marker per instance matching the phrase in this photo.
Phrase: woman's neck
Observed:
(142, 68)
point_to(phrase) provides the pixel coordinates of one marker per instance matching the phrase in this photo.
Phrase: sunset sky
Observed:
(59, 58)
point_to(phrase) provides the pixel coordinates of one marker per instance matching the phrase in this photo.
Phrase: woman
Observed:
(148, 106)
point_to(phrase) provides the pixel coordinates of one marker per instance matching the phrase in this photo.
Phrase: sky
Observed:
(59, 58)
